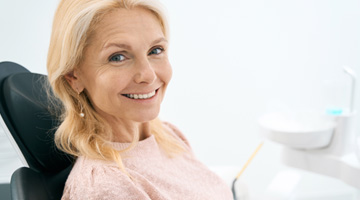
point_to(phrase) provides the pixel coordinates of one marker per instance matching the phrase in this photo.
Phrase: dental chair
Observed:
(28, 120)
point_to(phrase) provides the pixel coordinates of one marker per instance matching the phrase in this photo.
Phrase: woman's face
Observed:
(125, 70)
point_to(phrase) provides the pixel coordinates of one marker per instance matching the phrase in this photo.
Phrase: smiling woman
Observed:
(108, 64)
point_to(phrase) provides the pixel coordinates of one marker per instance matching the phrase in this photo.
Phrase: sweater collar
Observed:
(142, 147)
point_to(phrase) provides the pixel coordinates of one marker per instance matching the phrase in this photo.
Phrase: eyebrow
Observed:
(158, 41)
(125, 46)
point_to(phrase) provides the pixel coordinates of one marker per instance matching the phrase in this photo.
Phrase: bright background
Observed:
(233, 61)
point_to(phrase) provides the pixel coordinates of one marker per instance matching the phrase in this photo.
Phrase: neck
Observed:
(125, 132)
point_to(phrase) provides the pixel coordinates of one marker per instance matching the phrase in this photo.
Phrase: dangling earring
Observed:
(81, 108)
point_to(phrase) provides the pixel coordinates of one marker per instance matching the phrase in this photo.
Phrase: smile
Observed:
(140, 96)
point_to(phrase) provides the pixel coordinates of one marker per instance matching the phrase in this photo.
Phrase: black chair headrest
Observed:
(33, 123)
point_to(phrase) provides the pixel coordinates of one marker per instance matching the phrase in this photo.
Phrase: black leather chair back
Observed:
(29, 117)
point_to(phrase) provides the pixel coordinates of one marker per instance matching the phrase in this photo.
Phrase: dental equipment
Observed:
(243, 169)
(324, 144)
(353, 76)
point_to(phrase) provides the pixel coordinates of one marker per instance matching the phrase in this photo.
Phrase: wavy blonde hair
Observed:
(73, 27)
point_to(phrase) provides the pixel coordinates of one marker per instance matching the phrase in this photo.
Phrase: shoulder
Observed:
(176, 132)
(96, 179)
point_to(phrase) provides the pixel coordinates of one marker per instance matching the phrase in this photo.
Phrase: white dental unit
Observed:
(324, 143)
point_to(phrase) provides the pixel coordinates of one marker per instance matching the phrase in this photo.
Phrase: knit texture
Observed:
(155, 176)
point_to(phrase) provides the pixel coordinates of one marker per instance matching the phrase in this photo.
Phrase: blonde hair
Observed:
(73, 26)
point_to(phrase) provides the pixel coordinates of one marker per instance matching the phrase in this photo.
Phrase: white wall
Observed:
(232, 61)
(235, 60)
(25, 28)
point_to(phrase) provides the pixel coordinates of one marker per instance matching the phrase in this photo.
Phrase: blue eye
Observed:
(156, 51)
(117, 58)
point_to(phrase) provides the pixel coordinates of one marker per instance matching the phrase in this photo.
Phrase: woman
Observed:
(108, 64)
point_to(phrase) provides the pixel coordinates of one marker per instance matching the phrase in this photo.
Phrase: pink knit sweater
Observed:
(156, 176)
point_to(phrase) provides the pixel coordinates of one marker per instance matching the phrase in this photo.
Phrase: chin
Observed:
(146, 117)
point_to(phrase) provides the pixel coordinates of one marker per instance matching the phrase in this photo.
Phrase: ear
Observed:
(73, 79)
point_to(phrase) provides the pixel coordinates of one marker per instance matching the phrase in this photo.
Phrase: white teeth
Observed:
(140, 96)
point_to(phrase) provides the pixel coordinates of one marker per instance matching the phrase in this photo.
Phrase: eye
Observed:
(117, 58)
(156, 51)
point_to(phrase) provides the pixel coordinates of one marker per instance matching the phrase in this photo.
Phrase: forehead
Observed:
(128, 22)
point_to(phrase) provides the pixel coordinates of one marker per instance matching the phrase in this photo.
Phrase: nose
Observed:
(145, 72)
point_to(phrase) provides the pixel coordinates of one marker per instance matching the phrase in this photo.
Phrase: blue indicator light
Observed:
(334, 111)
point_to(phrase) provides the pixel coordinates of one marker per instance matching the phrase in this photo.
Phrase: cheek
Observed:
(166, 73)
(170, 73)
(103, 89)
(110, 86)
